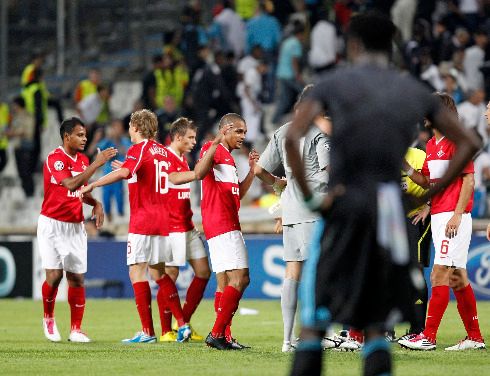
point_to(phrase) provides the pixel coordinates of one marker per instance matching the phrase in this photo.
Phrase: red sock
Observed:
(165, 312)
(76, 299)
(437, 306)
(217, 301)
(229, 304)
(142, 296)
(49, 299)
(171, 297)
(193, 297)
(357, 335)
(467, 311)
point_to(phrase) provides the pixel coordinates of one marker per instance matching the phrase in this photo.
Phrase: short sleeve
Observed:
(58, 167)
(132, 162)
(469, 169)
(271, 157)
(296, 49)
(204, 150)
(425, 168)
(323, 151)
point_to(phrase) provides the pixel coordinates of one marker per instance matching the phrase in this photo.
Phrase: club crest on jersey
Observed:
(440, 153)
(58, 165)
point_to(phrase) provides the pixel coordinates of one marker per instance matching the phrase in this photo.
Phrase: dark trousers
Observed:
(25, 168)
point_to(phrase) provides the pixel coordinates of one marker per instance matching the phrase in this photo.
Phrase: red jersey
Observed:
(148, 187)
(439, 154)
(220, 194)
(59, 202)
(179, 196)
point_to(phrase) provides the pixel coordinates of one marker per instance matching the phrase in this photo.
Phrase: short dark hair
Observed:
(374, 29)
(447, 101)
(158, 58)
(180, 127)
(230, 118)
(19, 101)
(68, 125)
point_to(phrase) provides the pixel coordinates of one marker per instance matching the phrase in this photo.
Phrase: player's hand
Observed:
(98, 214)
(220, 137)
(453, 225)
(488, 232)
(279, 185)
(86, 189)
(116, 164)
(105, 155)
(421, 215)
(278, 226)
(253, 158)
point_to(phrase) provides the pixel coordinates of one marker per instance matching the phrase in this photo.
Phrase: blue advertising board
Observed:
(107, 274)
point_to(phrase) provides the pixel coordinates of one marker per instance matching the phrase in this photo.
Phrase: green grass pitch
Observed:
(24, 351)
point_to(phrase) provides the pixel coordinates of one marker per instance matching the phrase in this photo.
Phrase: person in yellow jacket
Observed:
(37, 60)
(88, 86)
(4, 123)
(35, 97)
(418, 232)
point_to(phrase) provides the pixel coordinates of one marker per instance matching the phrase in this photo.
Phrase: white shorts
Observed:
(451, 252)
(186, 246)
(228, 252)
(152, 249)
(297, 239)
(62, 245)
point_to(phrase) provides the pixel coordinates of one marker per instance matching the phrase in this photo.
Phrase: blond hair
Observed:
(146, 122)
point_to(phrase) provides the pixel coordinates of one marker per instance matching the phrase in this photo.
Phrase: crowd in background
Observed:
(253, 58)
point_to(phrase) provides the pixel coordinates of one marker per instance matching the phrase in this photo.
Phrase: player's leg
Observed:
(314, 319)
(168, 335)
(49, 291)
(467, 310)
(198, 260)
(289, 301)
(76, 300)
(376, 353)
(238, 280)
(162, 253)
(142, 297)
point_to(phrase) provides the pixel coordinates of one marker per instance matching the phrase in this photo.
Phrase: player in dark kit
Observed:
(364, 255)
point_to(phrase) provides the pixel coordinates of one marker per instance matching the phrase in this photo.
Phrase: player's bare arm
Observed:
(75, 182)
(467, 144)
(245, 184)
(205, 164)
(110, 178)
(467, 188)
(488, 232)
(97, 211)
(416, 176)
(182, 177)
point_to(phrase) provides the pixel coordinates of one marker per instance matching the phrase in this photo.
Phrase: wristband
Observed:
(410, 171)
(277, 188)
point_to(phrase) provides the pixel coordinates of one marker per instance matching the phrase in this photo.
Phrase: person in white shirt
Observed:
(471, 113)
(323, 41)
(474, 58)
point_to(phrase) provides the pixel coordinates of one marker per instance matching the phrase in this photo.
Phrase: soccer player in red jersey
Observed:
(185, 241)
(60, 232)
(221, 194)
(146, 168)
(451, 233)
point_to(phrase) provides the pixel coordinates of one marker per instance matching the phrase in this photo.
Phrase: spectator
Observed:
(402, 13)
(245, 8)
(149, 83)
(192, 37)
(441, 43)
(4, 123)
(166, 116)
(233, 29)
(116, 138)
(35, 96)
(92, 107)
(450, 80)
(22, 130)
(250, 61)
(473, 60)
(249, 90)
(471, 113)
(323, 42)
(264, 30)
(171, 80)
(289, 72)
(88, 86)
